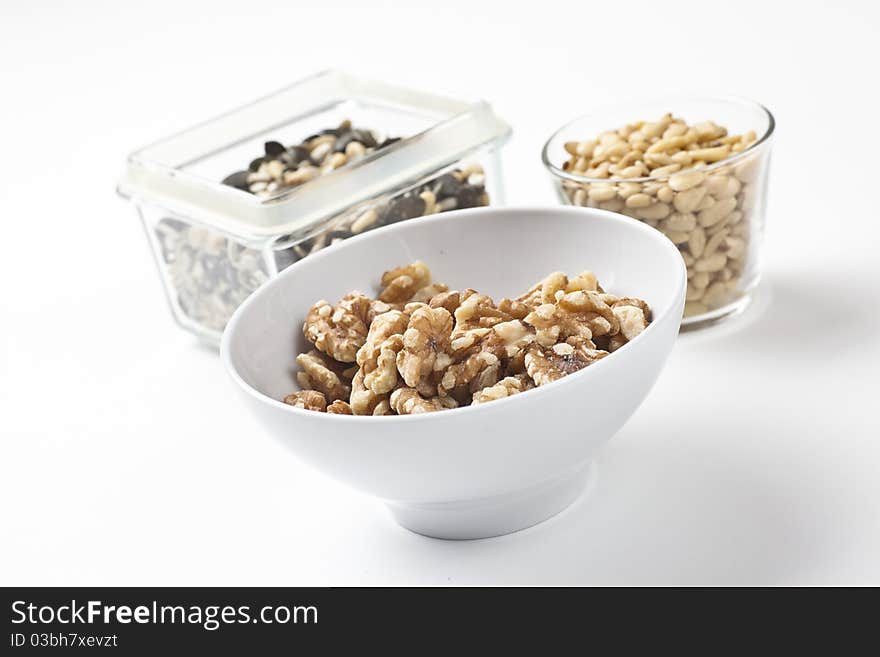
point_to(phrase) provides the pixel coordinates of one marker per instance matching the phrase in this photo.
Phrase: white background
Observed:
(126, 457)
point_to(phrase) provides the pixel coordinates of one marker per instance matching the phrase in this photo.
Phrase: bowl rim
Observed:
(763, 139)
(454, 215)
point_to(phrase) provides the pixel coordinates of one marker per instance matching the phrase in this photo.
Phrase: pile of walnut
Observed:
(421, 347)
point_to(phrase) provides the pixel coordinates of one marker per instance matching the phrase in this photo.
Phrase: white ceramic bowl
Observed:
(483, 470)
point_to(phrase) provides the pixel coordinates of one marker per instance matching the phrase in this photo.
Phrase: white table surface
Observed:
(126, 457)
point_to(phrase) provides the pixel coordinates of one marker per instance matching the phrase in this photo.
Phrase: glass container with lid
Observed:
(335, 156)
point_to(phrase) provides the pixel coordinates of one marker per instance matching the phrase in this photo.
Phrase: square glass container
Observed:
(215, 243)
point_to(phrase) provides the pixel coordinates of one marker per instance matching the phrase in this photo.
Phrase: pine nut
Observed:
(696, 243)
(684, 222)
(714, 242)
(656, 211)
(712, 263)
(715, 213)
(683, 181)
(677, 237)
(700, 279)
(665, 194)
(627, 189)
(601, 193)
(687, 201)
(638, 201)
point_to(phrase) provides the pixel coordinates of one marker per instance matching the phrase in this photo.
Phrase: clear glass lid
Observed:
(183, 173)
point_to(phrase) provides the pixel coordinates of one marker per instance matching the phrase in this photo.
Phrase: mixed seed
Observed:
(285, 167)
(212, 274)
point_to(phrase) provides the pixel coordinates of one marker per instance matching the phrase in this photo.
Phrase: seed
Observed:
(638, 201)
(684, 222)
(602, 192)
(627, 189)
(275, 168)
(658, 159)
(300, 176)
(688, 200)
(700, 279)
(652, 130)
(333, 161)
(609, 138)
(747, 170)
(615, 150)
(614, 205)
(675, 130)
(364, 221)
(712, 215)
(706, 203)
(665, 194)
(354, 150)
(714, 262)
(666, 170)
(693, 293)
(579, 197)
(687, 180)
(586, 148)
(714, 294)
(721, 186)
(600, 171)
(670, 144)
(714, 242)
(711, 154)
(735, 247)
(447, 204)
(697, 242)
(320, 151)
(717, 228)
(708, 130)
(430, 200)
(677, 237)
(635, 171)
(656, 211)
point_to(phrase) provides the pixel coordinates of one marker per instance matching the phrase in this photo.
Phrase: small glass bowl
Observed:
(714, 214)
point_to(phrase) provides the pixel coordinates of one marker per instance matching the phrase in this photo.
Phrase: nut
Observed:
(408, 401)
(426, 344)
(322, 373)
(339, 407)
(400, 285)
(476, 372)
(366, 402)
(310, 400)
(506, 387)
(380, 374)
(341, 330)
(547, 364)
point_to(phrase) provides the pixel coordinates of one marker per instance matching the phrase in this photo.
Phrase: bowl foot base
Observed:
(494, 516)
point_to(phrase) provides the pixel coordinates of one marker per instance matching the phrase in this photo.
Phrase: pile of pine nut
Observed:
(672, 176)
